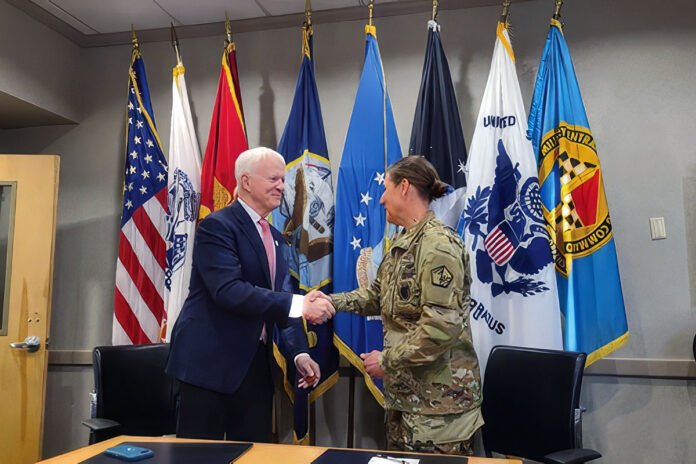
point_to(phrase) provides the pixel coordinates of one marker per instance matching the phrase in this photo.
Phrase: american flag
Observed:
(139, 314)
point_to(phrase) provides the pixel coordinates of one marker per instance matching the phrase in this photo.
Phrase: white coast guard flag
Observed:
(183, 199)
(513, 288)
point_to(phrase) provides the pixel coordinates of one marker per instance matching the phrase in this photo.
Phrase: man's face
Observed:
(266, 183)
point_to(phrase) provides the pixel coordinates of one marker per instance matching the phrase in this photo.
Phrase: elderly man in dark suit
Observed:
(240, 290)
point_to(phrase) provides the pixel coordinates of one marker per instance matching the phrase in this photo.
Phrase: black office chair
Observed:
(530, 405)
(133, 394)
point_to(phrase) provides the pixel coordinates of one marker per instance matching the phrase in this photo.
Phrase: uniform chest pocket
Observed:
(407, 291)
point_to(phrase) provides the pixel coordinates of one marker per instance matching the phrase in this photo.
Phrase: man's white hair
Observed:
(247, 160)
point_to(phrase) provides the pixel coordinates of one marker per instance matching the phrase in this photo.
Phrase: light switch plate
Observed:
(657, 228)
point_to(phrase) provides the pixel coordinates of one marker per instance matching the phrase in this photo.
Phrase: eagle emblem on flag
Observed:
(182, 202)
(508, 219)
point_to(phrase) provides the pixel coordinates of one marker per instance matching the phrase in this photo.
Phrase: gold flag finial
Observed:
(435, 5)
(307, 30)
(228, 29)
(136, 46)
(506, 12)
(370, 6)
(557, 13)
(175, 43)
(308, 13)
(135, 38)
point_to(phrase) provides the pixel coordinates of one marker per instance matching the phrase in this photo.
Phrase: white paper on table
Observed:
(391, 460)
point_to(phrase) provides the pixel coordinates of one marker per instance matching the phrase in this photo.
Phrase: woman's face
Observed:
(392, 200)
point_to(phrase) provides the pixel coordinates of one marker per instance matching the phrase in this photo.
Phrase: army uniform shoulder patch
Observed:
(441, 276)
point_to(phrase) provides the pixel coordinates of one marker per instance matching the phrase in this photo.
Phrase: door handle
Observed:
(32, 343)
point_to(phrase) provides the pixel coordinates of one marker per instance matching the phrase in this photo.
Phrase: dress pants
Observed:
(244, 415)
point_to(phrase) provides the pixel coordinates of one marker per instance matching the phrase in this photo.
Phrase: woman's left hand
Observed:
(371, 363)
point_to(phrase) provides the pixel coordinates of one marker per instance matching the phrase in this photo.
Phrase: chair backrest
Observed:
(133, 389)
(529, 400)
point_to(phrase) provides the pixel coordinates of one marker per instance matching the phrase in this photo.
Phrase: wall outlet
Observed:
(657, 228)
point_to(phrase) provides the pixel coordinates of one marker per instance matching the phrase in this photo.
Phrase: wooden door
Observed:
(28, 195)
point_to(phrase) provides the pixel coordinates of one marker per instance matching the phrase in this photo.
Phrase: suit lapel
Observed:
(281, 264)
(249, 229)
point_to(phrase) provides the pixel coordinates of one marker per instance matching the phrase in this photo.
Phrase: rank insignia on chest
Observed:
(441, 276)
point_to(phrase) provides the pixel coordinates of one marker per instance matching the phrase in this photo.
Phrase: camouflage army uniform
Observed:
(432, 381)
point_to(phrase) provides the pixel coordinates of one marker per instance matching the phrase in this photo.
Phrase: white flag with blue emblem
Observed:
(183, 199)
(514, 299)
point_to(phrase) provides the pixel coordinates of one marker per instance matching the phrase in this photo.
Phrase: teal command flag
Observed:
(306, 219)
(575, 207)
(361, 233)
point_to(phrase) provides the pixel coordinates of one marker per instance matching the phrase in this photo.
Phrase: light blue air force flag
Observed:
(575, 207)
(514, 300)
(361, 232)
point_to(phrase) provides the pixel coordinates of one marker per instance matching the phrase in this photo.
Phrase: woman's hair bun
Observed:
(439, 189)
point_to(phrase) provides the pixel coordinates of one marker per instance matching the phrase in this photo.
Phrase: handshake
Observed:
(317, 307)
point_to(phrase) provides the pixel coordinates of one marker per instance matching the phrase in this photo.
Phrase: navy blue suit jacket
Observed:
(217, 333)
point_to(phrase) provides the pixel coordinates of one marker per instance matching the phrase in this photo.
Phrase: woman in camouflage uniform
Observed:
(428, 364)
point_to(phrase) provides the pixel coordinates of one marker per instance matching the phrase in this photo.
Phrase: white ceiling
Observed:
(97, 23)
(110, 16)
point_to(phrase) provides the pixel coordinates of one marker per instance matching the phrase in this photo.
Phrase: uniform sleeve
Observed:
(443, 282)
(363, 301)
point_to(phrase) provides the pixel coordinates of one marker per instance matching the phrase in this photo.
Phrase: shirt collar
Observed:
(250, 211)
(404, 239)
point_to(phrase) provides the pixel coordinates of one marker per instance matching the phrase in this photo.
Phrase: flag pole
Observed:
(506, 12)
(175, 43)
(557, 13)
(307, 30)
(370, 6)
(435, 6)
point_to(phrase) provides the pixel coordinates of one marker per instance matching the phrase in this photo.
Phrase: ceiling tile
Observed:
(64, 16)
(210, 11)
(280, 7)
(116, 16)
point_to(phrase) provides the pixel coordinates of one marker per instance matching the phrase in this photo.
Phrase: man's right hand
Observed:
(317, 307)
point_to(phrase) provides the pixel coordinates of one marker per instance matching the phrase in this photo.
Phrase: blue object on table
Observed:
(129, 453)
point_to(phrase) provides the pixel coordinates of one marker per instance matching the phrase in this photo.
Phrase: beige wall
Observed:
(636, 63)
(38, 65)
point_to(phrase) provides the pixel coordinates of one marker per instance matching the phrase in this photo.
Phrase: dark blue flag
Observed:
(437, 130)
(361, 234)
(306, 218)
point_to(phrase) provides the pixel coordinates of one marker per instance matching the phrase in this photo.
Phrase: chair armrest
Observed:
(571, 456)
(97, 424)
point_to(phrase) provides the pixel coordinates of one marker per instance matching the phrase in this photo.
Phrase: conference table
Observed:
(260, 453)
